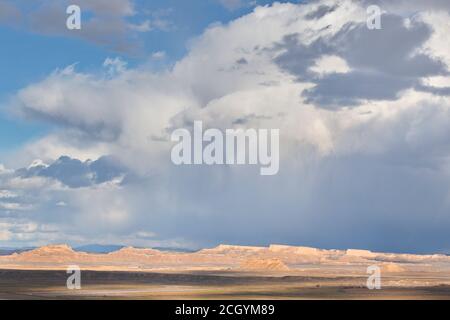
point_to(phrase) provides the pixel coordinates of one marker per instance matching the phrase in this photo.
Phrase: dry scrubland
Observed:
(223, 272)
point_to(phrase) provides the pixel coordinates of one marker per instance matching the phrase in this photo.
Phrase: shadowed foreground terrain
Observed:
(32, 284)
(225, 272)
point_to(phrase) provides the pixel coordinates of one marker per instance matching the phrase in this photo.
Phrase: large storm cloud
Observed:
(363, 119)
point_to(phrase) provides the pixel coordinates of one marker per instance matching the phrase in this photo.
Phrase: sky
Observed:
(364, 118)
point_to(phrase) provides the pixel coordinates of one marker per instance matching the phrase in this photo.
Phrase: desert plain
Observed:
(224, 272)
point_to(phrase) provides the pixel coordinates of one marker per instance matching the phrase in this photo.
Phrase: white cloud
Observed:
(330, 64)
(438, 45)
(5, 235)
(438, 82)
(158, 55)
(5, 194)
(115, 66)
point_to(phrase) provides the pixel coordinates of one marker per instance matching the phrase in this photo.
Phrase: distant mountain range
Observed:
(9, 251)
(98, 248)
(90, 248)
